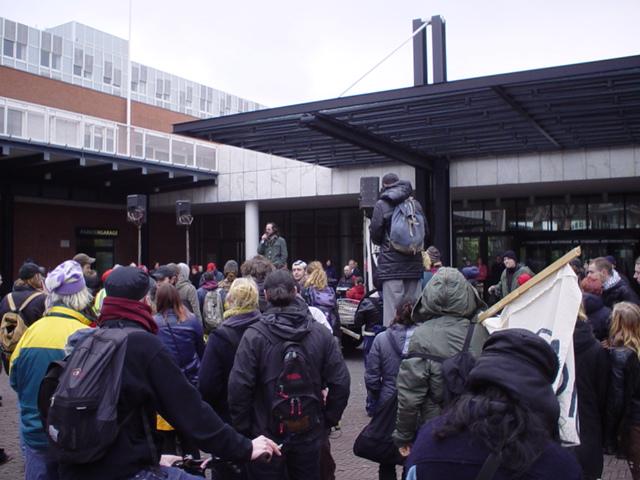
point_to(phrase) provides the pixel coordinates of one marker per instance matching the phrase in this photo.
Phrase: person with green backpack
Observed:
(20, 308)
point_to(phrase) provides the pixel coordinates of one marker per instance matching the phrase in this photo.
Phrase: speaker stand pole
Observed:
(188, 259)
(139, 244)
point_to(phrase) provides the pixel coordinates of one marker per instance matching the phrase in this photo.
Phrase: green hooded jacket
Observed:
(446, 308)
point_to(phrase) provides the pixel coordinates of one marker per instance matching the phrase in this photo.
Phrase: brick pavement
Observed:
(349, 467)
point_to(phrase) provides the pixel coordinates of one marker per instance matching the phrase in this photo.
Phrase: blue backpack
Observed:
(407, 228)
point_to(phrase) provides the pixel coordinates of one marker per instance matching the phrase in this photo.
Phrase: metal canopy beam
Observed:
(524, 114)
(365, 140)
(26, 161)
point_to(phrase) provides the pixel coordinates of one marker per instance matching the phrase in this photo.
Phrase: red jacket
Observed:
(356, 292)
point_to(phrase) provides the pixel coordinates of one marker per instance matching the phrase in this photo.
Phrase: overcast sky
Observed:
(282, 52)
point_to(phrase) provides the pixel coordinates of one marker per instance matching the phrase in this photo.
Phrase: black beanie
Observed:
(510, 254)
(389, 179)
(127, 282)
(523, 364)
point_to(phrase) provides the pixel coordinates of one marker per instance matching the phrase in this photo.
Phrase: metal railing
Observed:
(37, 123)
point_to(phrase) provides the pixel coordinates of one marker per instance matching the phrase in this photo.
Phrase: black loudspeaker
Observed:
(183, 212)
(369, 191)
(137, 209)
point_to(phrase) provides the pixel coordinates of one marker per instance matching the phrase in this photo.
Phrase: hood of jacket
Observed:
(448, 293)
(592, 303)
(209, 285)
(243, 320)
(397, 192)
(292, 322)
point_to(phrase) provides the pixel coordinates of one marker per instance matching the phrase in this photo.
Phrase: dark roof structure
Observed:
(587, 105)
(34, 168)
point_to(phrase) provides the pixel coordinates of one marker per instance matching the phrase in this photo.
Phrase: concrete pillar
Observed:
(345, 240)
(251, 228)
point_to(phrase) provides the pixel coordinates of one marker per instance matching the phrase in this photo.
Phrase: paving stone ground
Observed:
(349, 467)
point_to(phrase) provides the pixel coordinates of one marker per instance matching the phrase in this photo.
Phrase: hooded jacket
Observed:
(447, 306)
(189, 296)
(383, 362)
(598, 314)
(393, 265)
(251, 393)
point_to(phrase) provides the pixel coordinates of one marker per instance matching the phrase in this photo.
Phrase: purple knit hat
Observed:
(65, 279)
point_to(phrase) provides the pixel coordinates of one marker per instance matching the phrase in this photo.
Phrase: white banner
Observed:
(549, 309)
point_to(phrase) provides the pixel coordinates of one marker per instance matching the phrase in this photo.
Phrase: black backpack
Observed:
(78, 397)
(455, 369)
(295, 402)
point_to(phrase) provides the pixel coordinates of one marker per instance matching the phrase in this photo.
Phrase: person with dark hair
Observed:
(152, 383)
(28, 284)
(506, 421)
(446, 314)
(181, 333)
(592, 368)
(257, 374)
(258, 268)
(383, 363)
(509, 277)
(614, 288)
(208, 284)
(398, 273)
(273, 246)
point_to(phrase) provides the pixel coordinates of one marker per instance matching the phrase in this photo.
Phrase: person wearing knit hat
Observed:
(230, 274)
(505, 422)
(399, 273)
(509, 277)
(153, 383)
(432, 263)
(68, 306)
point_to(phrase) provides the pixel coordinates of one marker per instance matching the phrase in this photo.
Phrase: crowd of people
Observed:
(246, 365)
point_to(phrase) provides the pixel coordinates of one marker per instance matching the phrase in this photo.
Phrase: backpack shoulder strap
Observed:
(12, 304)
(28, 300)
(394, 345)
(490, 466)
(467, 339)
(437, 358)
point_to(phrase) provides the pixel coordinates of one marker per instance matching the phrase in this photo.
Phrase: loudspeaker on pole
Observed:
(137, 208)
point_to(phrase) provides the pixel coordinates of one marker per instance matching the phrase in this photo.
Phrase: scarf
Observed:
(237, 311)
(612, 281)
(115, 308)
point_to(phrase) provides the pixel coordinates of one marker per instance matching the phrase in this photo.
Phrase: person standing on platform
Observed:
(398, 272)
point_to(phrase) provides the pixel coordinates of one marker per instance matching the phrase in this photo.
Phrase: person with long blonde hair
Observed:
(623, 416)
(317, 293)
(243, 311)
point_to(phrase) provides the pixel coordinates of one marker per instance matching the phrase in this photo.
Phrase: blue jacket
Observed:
(184, 340)
(383, 363)
(41, 344)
